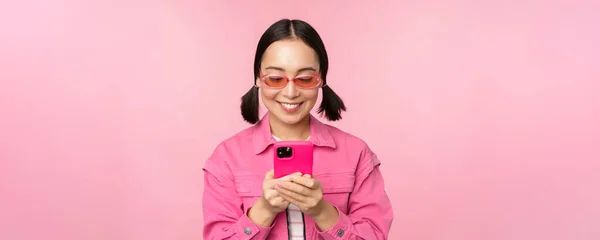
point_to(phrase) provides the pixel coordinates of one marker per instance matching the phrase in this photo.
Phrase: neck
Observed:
(290, 132)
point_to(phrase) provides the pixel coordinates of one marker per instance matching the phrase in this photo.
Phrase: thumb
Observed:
(269, 174)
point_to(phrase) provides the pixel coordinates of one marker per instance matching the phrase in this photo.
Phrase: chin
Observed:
(292, 120)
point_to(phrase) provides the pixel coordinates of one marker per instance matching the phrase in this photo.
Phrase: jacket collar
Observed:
(263, 138)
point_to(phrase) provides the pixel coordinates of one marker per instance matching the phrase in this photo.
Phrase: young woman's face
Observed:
(290, 102)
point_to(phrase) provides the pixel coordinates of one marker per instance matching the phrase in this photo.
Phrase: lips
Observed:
(290, 107)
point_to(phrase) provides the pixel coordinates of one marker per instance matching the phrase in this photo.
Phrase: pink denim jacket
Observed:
(347, 168)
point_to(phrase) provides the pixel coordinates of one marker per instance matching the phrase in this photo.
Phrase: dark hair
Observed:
(332, 105)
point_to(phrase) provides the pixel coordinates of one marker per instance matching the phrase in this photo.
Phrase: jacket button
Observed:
(247, 231)
(340, 233)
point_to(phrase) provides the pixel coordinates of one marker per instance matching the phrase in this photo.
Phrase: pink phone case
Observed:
(299, 159)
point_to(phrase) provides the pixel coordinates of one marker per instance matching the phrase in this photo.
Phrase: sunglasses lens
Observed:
(275, 81)
(307, 81)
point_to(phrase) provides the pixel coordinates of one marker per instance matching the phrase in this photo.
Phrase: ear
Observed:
(257, 83)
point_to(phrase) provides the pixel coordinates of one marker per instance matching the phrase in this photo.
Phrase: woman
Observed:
(345, 199)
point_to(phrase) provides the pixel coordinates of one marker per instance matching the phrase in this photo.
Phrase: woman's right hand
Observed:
(270, 204)
(275, 203)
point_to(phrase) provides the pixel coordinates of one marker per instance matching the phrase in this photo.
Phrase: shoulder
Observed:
(234, 142)
(231, 148)
(356, 147)
(357, 150)
(348, 140)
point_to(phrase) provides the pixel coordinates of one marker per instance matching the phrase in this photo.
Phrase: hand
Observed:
(303, 191)
(270, 196)
(266, 208)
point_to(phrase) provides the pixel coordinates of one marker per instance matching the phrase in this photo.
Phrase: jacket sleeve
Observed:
(370, 213)
(222, 206)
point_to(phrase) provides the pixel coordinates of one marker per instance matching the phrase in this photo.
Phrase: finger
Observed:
(291, 199)
(294, 187)
(270, 174)
(271, 194)
(279, 201)
(311, 183)
(276, 200)
(287, 178)
(291, 196)
(270, 183)
(290, 176)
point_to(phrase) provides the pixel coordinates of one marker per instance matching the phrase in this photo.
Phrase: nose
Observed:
(291, 91)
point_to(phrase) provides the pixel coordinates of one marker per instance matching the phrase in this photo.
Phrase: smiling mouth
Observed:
(291, 106)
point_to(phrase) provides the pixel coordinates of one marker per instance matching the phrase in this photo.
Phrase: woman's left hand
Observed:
(303, 191)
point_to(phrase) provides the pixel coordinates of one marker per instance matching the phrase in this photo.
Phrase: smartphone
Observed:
(291, 157)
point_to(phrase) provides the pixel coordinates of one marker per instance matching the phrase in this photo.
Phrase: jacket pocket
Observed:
(249, 188)
(337, 182)
(248, 185)
(337, 188)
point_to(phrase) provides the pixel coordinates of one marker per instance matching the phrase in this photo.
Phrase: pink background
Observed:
(486, 114)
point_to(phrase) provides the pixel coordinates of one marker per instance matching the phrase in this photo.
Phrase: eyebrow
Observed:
(299, 70)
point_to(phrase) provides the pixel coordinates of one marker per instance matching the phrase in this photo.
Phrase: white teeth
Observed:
(290, 106)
